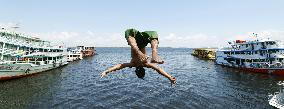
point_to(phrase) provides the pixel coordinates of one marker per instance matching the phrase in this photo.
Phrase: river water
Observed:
(200, 84)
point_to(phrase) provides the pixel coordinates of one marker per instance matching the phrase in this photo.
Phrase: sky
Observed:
(179, 23)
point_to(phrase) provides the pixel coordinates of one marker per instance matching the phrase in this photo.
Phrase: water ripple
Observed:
(200, 84)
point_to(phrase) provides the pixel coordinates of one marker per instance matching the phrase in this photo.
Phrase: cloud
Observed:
(9, 25)
(205, 40)
(87, 38)
(91, 38)
(191, 41)
(265, 34)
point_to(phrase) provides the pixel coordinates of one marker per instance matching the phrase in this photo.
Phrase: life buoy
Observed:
(266, 65)
(278, 64)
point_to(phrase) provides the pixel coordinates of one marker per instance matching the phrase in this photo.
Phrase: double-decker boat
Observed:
(23, 55)
(259, 56)
(79, 52)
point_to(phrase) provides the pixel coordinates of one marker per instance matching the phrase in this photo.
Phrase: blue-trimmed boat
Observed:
(259, 56)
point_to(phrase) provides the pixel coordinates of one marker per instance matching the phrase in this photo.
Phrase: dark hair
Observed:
(140, 72)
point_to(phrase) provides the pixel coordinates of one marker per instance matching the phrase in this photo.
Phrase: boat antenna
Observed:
(255, 35)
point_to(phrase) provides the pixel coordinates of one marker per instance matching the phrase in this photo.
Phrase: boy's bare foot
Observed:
(157, 61)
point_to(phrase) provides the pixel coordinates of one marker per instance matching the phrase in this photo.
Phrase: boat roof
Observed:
(22, 35)
(256, 41)
(205, 49)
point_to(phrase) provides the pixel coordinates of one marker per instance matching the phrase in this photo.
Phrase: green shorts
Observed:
(142, 38)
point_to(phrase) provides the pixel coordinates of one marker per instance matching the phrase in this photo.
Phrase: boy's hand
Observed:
(103, 74)
(173, 80)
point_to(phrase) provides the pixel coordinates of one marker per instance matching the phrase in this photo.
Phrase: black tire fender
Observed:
(27, 70)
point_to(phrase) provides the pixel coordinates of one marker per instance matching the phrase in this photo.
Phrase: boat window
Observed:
(229, 59)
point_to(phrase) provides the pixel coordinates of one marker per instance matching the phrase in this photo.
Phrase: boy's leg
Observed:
(135, 51)
(155, 57)
(143, 50)
(135, 57)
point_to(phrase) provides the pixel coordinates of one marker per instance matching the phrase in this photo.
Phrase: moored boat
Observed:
(259, 56)
(87, 50)
(277, 100)
(74, 53)
(23, 55)
(204, 53)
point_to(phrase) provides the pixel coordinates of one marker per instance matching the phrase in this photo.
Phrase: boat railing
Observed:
(24, 42)
(31, 62)
(266, 65)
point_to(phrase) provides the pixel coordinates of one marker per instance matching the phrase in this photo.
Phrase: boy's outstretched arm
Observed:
(161, 71)
(116, 67)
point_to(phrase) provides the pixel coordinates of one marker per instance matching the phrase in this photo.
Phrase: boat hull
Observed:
(272, 71)
(8, 71)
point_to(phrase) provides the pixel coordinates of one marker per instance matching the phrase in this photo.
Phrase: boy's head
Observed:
(140, 72)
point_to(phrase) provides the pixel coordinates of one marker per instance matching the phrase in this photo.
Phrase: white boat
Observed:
(277, 101)
(74, 53)
(23, 55)
(259, 56)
